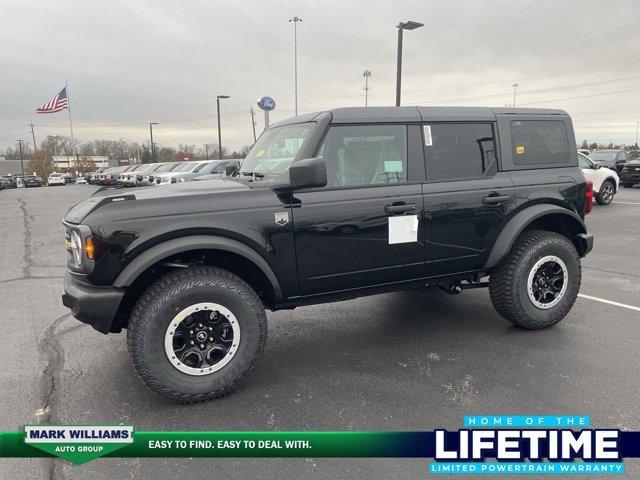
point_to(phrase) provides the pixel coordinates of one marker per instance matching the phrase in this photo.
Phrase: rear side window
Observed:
(539, 142)
(458, 151)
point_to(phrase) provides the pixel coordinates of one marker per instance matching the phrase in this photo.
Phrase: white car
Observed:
(605, 180)
(55, 179)
(186, 167)
(80, 181)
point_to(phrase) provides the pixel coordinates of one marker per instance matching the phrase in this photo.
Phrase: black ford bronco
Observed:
(325, 207)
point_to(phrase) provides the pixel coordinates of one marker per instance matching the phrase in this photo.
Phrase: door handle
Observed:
(495, 199)
(401, 208)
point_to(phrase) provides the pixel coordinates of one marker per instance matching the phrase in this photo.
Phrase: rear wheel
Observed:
(196, 333)
(606, 193)
(538, 282)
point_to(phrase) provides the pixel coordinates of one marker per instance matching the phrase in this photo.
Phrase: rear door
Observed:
(342, 231)
(466, 198)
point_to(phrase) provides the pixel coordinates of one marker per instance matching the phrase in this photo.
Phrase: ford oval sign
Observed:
(266, 103)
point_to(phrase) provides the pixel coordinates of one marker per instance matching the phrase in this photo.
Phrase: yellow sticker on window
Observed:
(260, 153)
(519, 149)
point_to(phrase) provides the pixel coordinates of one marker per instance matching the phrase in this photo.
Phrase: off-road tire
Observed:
(508, 281)
(600, 198)
(158, 305)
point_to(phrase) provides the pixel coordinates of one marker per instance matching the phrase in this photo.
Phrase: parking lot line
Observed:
(627, 203)
(610, 302)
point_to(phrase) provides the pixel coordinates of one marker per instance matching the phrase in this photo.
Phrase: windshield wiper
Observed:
(254, 175)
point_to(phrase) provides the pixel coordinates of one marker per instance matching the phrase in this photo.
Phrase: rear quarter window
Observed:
(539, 142)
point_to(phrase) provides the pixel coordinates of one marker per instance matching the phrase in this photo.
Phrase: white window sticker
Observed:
(393, 166)
(428, 139)
(403, 229)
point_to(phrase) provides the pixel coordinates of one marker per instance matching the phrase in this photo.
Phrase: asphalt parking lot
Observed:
(403, 361)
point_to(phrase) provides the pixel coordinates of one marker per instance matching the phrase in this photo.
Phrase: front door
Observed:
(466, 197)
(342, 231)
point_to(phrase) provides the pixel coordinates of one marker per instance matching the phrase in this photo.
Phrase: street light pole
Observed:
(21, 160)
(410, 25)
(153, 148)
(637, 124)
(515, 86)
(295, 21)
(367, 75)
(219, 129)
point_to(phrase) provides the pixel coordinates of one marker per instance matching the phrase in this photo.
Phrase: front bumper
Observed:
(96, 306)
(630, 176)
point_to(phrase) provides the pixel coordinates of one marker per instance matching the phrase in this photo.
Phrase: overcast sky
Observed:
(132, 62)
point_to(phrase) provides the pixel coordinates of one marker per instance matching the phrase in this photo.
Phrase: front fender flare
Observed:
(521, 220)
(194, 242)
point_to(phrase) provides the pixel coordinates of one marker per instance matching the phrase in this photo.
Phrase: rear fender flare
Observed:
(520, 221)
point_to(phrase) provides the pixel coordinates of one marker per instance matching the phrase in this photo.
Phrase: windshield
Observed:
(275, 150)
(603, 156)
(217, 167)
(185, 167)
(167, 167)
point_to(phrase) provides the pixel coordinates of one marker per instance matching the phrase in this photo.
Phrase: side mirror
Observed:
(308, 173)
(597, 166)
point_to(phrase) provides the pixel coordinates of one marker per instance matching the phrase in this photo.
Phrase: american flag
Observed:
(56, 104)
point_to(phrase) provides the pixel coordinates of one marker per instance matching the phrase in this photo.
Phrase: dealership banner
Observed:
(490, 445)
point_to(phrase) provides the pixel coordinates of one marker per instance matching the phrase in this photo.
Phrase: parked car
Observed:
(605, 180)
(142, 175)
(92, 177)
(630, 174)
(10, 181)
(614, 159)
(176, 175)
(128, 178)
(166, 167)
(55, 178)
(189, 269)
(32, 181)
(4, 183)
(110, 176)
(68, 178)
(81, 180)
(212, 170)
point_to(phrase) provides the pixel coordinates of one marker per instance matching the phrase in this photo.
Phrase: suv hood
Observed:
(174, 191)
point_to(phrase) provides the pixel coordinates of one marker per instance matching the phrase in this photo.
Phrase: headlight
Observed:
(181, 180)
(76, 249)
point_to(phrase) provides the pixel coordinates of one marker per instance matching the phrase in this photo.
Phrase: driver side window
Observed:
(358, 155)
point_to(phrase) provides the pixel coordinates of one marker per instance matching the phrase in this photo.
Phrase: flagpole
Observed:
(73, 145)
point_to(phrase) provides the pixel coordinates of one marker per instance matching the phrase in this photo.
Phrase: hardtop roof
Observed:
(417, 114)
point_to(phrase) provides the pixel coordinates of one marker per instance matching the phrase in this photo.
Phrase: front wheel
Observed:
(538, 282)
(196, 333)
(606, 193)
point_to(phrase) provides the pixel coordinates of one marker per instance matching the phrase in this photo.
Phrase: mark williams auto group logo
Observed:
(78, 444)
(527, 445)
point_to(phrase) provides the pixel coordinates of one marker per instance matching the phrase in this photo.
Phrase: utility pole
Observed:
(21, 160)
(367, 75)
(515, 86)
(33, 135)
(253, 122)
(295, 21)
(637, 124)
(206, 151)
(153, 148)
